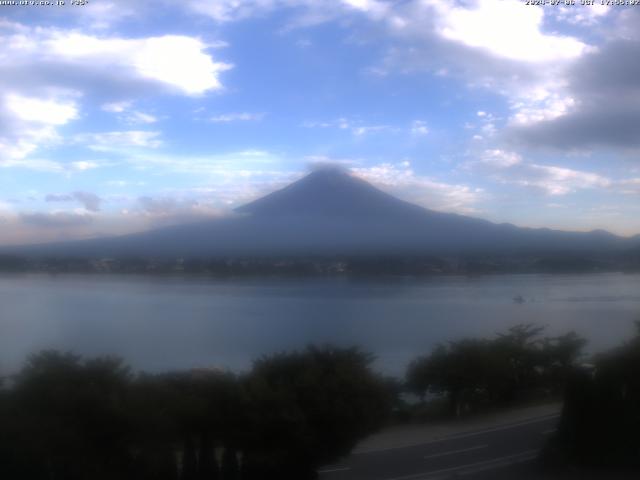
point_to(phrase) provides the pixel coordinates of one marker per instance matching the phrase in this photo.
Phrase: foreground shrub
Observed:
(72, 419)
(516, 366)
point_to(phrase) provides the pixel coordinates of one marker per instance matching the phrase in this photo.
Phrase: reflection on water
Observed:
(173, 323)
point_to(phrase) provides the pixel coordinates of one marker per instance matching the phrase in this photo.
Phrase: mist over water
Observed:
(172, 323)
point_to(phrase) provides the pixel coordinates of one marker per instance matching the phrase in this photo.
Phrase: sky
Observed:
(120, 116)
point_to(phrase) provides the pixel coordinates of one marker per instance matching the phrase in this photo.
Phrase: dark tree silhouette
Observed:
(230, 469)
(207, 464)
(513, 366)
(69, 418)
(313, 406)
(600, 421)
(66, 418)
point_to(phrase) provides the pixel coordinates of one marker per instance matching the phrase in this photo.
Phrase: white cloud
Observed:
(561, 181)
(36, 164)
(50, 166)
(84, 165)
(127, 114)
(543, 104)
(502, 46)
(31, 122)
(103, 14)
(341, 123)
(419, 127)
(236, 117)
(372, 7)
(114, 141)
(233, 10)
(39, 110)
(356, 128)
(228, 10)
(510, 168)
(17, 148)
(500, 158)
(47, 72)
(177, 61)
(5, 207)
(135, 117)
(296, 13)
(399, 179)
(486, 124)
(360, 129)
(630, 186)
(586, 15)
(505, 28)
(116, 107)
(124, 183)
(227, 167)
(367, 129)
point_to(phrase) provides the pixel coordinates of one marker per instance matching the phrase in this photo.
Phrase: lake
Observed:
(168, 323)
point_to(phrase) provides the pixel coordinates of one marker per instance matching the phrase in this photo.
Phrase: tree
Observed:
(459, 370)
(600, 421)
(69, 417)
(73, 419)
(560, 355)
(188, 412)
(510, 367)
(311, 408)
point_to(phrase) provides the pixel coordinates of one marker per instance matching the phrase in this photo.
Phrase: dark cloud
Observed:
(55, 220)
(107, 84)
(627, 24)
(58, 198)
(163, 205)
(315, 165)
(166, 210)
(598, 126)
(606, 87)
(90, 201)
(612, 69)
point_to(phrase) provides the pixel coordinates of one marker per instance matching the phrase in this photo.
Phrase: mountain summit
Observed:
(330, 212)
(329, 192)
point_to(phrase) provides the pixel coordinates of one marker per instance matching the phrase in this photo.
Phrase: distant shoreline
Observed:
(379, 266)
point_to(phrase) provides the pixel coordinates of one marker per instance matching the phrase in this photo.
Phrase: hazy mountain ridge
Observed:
(332, 212)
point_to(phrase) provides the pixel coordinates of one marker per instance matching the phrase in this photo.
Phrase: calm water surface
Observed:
(172, 323)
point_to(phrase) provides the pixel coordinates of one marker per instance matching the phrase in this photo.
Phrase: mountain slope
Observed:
(332, 212)
(330, 193)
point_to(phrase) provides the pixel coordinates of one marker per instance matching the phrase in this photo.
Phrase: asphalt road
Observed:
(501, 452)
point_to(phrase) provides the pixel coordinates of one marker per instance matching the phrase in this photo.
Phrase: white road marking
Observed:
(548, 432)
(453, 452)
(331, 470)
(473, 467)
(458, 436)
